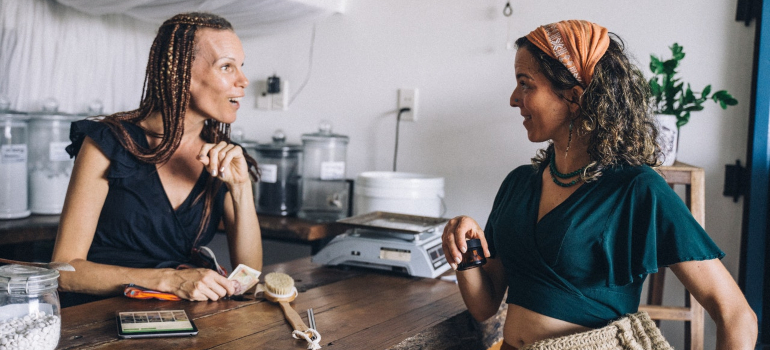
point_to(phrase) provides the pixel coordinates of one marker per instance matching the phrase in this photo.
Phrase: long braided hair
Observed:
(166, 89)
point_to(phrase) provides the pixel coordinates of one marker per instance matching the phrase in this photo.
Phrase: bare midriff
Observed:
(523, 327)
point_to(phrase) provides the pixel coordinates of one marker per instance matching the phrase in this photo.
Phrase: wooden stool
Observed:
(692, 313)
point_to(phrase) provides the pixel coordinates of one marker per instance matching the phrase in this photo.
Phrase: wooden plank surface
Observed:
(352, 307)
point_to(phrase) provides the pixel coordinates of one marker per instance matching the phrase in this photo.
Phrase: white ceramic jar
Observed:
(50, 166)
(13, 165)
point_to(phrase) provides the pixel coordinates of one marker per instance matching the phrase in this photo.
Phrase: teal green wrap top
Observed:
(586, 260)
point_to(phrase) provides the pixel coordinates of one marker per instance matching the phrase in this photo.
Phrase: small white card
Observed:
(269, 173)
(246, 277)
(332, 170)
(13, 153)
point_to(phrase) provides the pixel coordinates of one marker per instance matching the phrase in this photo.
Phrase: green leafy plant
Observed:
(670, 95)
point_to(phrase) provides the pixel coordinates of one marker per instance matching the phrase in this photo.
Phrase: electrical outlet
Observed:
(407, 98)
(281, 99)
(272, 102)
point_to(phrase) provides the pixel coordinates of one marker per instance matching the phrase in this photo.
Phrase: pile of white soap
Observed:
(37, 331)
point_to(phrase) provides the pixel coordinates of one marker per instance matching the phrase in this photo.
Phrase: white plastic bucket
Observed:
(403, 193)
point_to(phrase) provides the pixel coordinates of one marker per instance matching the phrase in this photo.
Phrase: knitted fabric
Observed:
(631, 332)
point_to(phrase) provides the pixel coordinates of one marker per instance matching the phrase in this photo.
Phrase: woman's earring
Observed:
(569, 140)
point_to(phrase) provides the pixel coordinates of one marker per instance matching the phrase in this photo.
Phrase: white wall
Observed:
(454, 52)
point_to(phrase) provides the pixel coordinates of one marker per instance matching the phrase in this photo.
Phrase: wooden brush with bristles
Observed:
(280, 285)
(279, 288)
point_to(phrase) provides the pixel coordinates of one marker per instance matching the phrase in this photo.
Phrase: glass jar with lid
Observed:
(280, 183)
(30, 316)
(50, 166)
(13, 163)
(325, 190)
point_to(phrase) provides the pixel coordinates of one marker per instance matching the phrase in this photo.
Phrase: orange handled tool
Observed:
(137, 292)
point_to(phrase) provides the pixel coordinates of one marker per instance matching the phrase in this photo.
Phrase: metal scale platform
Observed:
(388, 241)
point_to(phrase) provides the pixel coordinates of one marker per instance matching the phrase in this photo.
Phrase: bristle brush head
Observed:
(279, 283)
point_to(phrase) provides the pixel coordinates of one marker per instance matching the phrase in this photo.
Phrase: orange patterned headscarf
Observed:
(577, 44)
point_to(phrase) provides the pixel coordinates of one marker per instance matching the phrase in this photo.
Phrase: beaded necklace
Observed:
(555, 173)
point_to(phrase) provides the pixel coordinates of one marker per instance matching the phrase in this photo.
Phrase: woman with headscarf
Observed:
(150, 186)
(572, 237)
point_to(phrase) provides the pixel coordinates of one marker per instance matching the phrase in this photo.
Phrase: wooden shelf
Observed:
(37, 228)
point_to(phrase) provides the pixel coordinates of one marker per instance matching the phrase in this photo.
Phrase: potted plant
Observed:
(673, 103)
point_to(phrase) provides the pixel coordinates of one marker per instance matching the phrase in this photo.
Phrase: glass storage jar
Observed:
(30, 316)
(280, 183)
(13, 164)
(325, 190)
(50, 166)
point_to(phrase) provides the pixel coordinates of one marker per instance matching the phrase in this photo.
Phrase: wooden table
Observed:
(354, 309)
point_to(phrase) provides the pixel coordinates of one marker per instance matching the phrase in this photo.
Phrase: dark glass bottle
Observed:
(473, 257)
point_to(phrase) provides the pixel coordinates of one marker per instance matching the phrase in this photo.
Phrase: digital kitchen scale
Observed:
(387, 241)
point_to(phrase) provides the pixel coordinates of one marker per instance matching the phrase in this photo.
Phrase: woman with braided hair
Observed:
(150, 186)
(572, 237)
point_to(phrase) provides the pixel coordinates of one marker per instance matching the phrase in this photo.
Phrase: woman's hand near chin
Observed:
(225, 161)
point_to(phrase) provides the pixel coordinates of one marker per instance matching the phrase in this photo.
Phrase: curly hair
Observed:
(615, 110)
(167, 90)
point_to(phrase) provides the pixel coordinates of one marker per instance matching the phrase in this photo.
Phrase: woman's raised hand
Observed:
(226, 161)
(456, 232)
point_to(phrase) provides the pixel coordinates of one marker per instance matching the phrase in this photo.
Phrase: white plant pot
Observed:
(668, 138)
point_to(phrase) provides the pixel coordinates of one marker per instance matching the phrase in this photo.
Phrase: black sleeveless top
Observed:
(138, 227)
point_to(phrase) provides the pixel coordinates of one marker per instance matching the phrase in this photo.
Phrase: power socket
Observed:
(407, 98)
(272, 102)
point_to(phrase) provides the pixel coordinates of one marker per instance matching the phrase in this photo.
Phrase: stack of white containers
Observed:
(396, 192)
(35, 168)
(50, 166)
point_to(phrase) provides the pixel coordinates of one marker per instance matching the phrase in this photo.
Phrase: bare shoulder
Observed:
(91, 157)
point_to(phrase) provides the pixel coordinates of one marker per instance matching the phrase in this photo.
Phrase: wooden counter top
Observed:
(354, 309)
(43, 228)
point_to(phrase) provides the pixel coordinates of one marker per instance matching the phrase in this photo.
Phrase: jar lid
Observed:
(473, 243)
(279, 144)
(61, 116)
(5, 103)
(51, 112)
(13, 115)
(248, 144)
(325, 134)
(7, 113)
(19, 279)
(54, 115)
